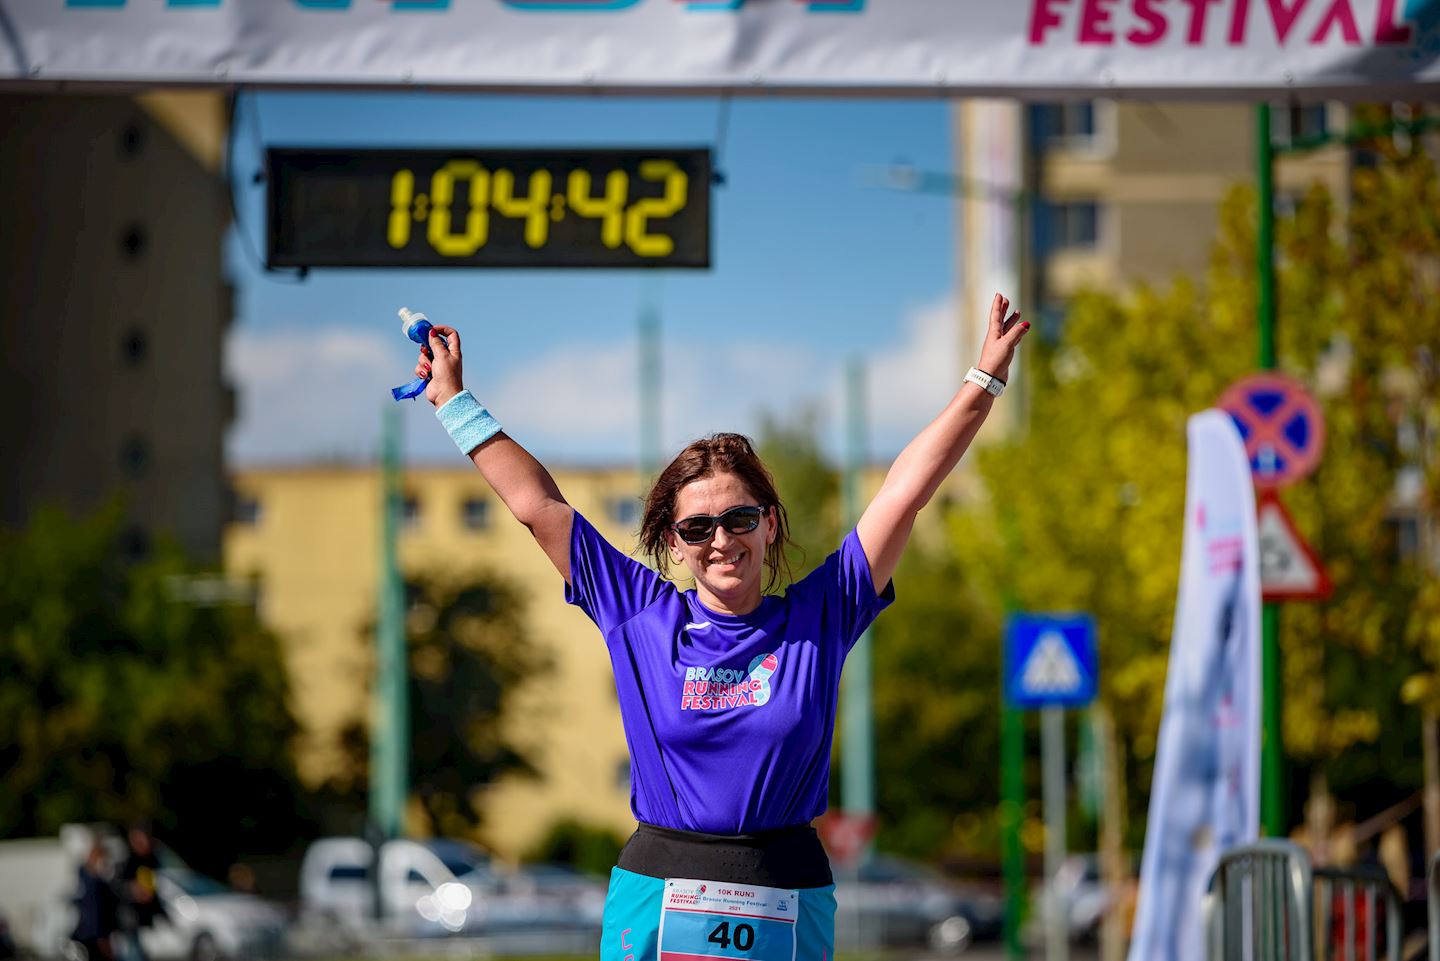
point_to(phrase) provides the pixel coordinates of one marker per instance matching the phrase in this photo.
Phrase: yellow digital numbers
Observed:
(442, 198)
(535, 207)
(637, 217)
(402, 193)
(489, 207)
(609, 209)
(461, 230)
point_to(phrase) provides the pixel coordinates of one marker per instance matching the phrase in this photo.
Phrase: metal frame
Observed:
(1261, 903)
(1353, 884)
(1433, 907)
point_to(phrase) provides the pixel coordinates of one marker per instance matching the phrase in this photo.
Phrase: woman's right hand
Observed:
(444, 370)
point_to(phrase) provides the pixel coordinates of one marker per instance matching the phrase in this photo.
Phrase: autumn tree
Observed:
(1086, 502)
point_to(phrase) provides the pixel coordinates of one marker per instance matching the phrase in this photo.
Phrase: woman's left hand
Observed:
(1002, 336)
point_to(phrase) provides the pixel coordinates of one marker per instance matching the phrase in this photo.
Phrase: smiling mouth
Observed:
(730, 559)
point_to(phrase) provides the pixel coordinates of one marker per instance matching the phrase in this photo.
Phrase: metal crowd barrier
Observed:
(1260, 904)
(1266, 903)
(1434, 907)
(1346, 903)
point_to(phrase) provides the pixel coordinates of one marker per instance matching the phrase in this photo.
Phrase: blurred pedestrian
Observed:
(728, 691)
(242, 878)
(96, 906)
(140, 903)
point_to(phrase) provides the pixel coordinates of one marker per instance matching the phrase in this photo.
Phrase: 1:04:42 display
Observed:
(456, 232)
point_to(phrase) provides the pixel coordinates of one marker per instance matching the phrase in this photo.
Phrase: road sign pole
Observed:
(1050, 663)
(1272, 806)
(1012, 804)
(857, 769)
(390, 734)
(857, 752)
(1052, 760)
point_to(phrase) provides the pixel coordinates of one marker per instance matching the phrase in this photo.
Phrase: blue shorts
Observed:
(636, 904)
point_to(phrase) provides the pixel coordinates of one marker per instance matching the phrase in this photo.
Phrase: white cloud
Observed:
(582, 402)
(909, 383)
(307, 396)
(322, 397)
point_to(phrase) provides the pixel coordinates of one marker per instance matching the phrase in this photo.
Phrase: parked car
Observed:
(207, 921)
(555, 895)
(896, 903)
(443, 887)
(204, 920)
(7, 942)
(417, 884)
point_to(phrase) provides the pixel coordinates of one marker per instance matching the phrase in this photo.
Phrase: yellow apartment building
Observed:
(310, 537)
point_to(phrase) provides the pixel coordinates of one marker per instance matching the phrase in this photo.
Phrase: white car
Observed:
(207, 921)
(424, 887)
(441, 887)
(204, 919)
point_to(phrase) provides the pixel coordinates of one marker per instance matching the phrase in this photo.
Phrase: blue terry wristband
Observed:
(468, 424)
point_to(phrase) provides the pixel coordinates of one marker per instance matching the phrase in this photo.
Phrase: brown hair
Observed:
(716, 454)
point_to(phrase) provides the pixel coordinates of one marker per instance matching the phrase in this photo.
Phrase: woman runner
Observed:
(727, 692)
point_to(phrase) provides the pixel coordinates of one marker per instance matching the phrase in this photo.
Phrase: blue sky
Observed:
(812, 264)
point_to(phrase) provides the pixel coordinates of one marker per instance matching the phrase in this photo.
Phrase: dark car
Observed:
(7, 940)
(896, 903)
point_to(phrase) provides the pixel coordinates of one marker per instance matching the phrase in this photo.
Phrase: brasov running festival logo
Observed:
(723, 688)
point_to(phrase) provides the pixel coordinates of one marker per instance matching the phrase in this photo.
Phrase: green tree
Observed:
(807, 482)
(936, 668)
(469, 654)
(585, 847)
(119, 700)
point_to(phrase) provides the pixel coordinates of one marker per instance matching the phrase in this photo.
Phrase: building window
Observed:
(1063, 124)
(475, 513)
(132, 139)
(1050, 317)
(134, 544)
(622, 776)
(1404, 532)
(1067, 225)
(134, 456)
(1287, 202)
(133, 241)
(623, 510)
(1293, 122)
(246, 510)
(133, 347)
(409, 512)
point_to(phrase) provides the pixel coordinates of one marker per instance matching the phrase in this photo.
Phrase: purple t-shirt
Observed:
(728, 719)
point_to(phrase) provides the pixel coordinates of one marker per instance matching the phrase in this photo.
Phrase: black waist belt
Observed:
(784, 858)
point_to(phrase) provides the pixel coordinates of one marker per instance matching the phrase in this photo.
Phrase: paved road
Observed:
(995, 952)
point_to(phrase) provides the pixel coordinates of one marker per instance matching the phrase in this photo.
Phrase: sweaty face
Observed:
(729, 569)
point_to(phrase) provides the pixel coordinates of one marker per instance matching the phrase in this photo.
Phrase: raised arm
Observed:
(518, 479)
(885, 526)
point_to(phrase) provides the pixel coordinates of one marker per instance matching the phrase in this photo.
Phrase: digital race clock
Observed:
(489, 208)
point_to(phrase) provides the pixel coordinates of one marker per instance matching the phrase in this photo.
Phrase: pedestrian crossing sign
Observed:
(1050, 660)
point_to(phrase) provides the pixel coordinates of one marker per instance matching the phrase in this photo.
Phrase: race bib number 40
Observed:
(704, 920)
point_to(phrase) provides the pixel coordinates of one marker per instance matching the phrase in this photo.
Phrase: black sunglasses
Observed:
(700, 528)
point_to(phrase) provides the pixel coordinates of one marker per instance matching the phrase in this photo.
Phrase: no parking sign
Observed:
(1280, 424)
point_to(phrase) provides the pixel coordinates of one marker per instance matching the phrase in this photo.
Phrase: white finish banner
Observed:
(1205, 795)
(1002, 47)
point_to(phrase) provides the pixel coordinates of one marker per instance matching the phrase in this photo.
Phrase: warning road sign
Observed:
(1289, 569)
(1281, 425)
(1050, 661)
(845, 834)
